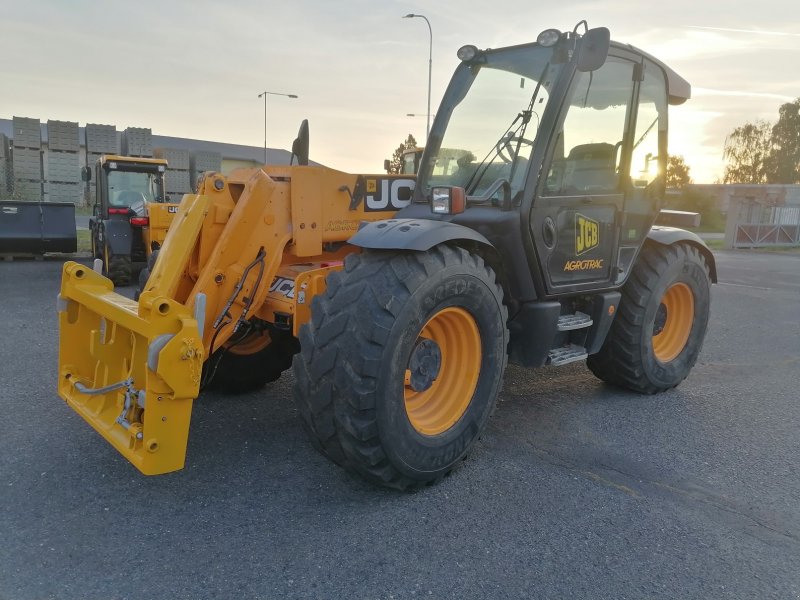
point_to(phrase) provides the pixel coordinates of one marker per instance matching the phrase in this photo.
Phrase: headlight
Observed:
(446, 200)
(549, 37)
(467, 53)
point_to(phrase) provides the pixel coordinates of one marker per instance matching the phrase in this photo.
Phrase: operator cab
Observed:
(126, 184)
(562, 151)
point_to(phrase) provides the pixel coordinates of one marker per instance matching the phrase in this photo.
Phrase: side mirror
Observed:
(86, 174)
(300, 144)
(593, 49)
(387, 165)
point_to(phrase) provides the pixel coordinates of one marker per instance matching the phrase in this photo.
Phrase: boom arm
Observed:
(132, 369)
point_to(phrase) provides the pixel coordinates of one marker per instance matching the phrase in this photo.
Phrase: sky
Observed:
(195, 68)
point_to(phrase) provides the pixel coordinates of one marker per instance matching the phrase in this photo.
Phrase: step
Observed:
(566, 354)
(577, 321)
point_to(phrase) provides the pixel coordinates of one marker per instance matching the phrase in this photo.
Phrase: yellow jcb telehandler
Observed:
(401, 299)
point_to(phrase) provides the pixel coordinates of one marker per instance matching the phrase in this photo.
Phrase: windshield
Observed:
(127, 188)
(496, 109)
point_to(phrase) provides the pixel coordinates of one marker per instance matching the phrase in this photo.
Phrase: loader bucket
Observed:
(131, 370)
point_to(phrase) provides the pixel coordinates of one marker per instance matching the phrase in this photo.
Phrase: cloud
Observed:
(699, 91)
(755, 31)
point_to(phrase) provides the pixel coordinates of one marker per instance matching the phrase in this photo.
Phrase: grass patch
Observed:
(84, 240)
(715, 244)
(83, 211)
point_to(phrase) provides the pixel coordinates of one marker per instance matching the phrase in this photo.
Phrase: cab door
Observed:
(577, 212)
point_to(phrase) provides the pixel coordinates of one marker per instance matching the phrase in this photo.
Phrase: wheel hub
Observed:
(424, 364)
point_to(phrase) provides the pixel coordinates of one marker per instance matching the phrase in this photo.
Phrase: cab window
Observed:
(588, 150)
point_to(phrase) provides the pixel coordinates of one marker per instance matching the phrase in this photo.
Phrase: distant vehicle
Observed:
(131, 214)
(446, 161)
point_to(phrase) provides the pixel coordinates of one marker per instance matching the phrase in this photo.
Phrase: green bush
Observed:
(711, 219)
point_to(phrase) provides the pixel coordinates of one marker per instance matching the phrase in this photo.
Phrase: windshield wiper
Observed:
(519, 134)
(483, 166)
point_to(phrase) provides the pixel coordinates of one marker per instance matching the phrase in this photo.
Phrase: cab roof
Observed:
(678, 89)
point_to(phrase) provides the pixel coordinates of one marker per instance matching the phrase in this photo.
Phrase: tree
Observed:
(396, 162)
(783, 164)
(677, 172)
(747, 150)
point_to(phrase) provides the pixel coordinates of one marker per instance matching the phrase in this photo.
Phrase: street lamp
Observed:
(430, 66)
(264, 94)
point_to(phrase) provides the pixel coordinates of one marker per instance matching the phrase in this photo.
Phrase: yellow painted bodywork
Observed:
(160, 218)
(298, 217)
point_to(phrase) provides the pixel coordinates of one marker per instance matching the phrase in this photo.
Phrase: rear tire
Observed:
(401, 363)
(118, 268)
(661, 322)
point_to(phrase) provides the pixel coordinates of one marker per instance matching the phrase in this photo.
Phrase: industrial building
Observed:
(41, 161)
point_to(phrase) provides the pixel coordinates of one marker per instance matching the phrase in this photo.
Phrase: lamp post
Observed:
(430, 67)
(265, 94)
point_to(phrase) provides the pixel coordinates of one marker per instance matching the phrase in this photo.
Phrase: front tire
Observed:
(661, 323)
(401, 363)
(258, 360)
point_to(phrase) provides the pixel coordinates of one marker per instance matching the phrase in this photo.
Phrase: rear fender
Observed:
(666, 236)
(117, 234)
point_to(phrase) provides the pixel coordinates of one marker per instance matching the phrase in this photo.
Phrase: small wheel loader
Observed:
(131, 213)
(398, 300)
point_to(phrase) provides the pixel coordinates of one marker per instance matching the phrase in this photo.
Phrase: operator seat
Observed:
(591, 167)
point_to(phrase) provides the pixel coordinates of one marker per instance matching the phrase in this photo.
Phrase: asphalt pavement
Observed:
(577, 489)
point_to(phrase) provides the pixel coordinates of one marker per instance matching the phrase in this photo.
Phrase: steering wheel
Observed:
(504, 146)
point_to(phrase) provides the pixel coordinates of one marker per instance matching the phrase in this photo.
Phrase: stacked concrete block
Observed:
(27, 171)
(176, 180)
(27, 190)
(63, 167)
(5, 165)
(177, 160)
(27, 159)
(62, 163)
(27, 164)
(100, 139)
(137, 141)
(201, 162)
(63, 136)
(63, 192)
(27, 133)
(176, 183)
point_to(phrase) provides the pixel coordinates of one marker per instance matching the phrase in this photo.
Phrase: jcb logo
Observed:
(172, 209)
(389, 194)
(587, 234)
(285, 287)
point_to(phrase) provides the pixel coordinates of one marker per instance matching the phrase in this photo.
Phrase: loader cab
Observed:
(410, 162)
(568, 135)
(126, 185)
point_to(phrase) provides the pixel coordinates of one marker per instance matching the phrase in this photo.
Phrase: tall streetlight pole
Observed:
(430, 67)
(264, 94)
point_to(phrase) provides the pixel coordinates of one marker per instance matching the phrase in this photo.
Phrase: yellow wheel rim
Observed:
(436, 409)
(673, 323)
